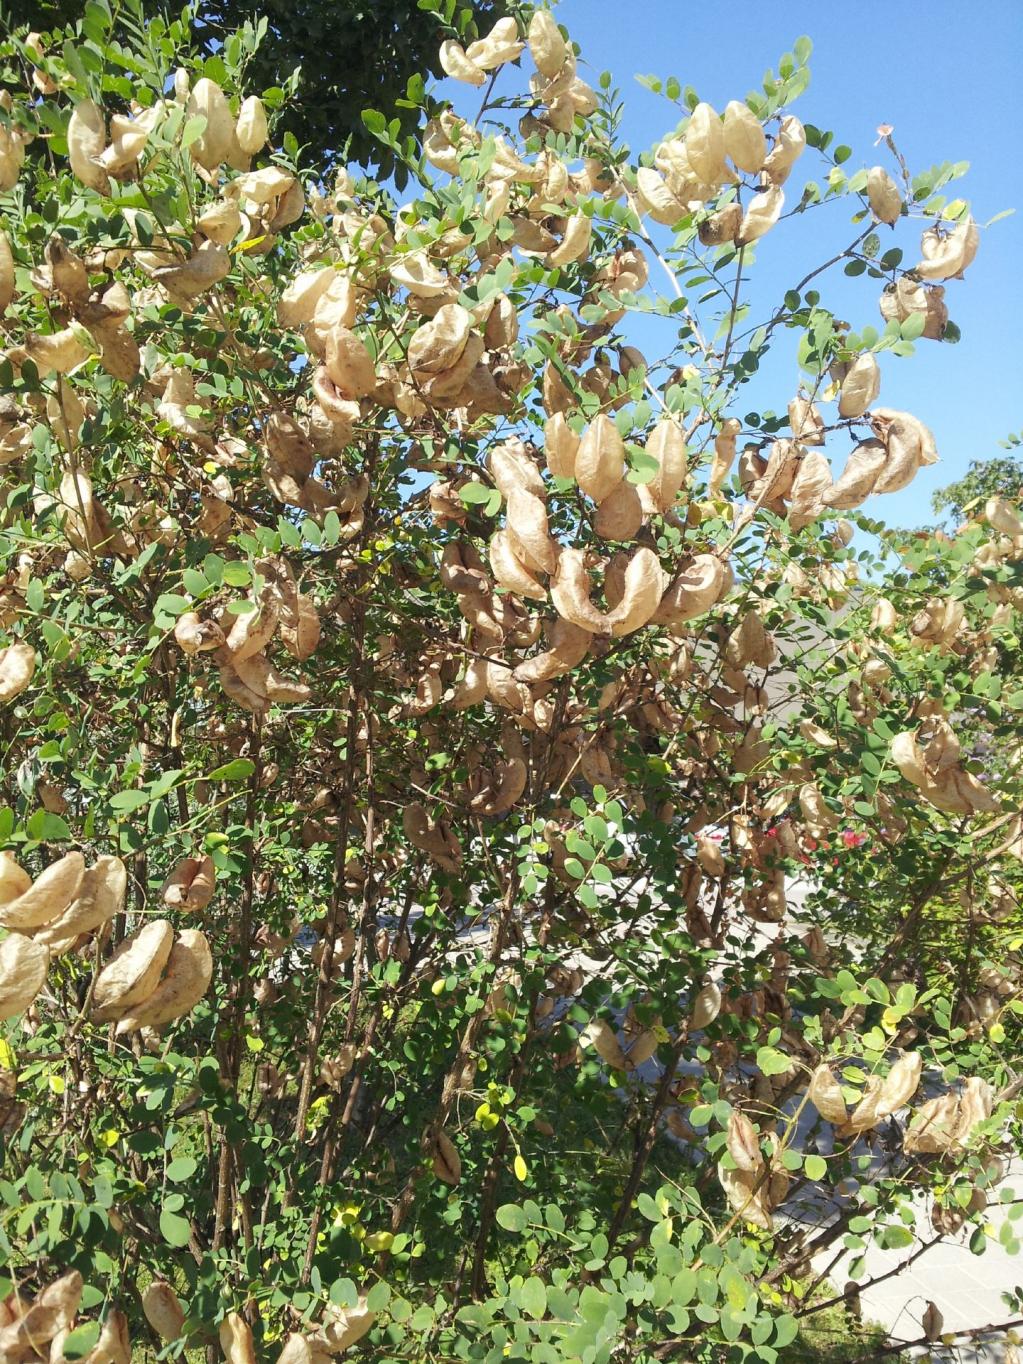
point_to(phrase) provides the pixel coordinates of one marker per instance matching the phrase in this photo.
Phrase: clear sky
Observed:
(948, 77)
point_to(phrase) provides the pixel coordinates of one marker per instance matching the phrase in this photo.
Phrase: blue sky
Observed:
(948, 77)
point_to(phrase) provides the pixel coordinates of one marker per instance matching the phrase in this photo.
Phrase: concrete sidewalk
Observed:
(966, 1288)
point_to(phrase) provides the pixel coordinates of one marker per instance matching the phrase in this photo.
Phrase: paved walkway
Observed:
(966, 1288)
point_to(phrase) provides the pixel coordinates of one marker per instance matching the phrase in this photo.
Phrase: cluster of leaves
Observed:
(606, 861)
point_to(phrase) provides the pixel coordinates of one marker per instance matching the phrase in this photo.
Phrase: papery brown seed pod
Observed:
(561, 445)
(546, 45)
(620, 515)
(933, 1126)
(600, 459)
(655, 198)
(191, 884)
(642, 589)
(710, 857)
(806, 421)
(700, 585)
(48, 897)
(343, 1326)
(497, 792)
(860, 386)
(458, 66)
(883, 196)
(947, 256)
(600, 1036)
(133, 972)
(207, 100)
(252, 630)
(86, 140)
(512, 469)
(14, 879)
(434, 837)
(114, 1343)
(195, 636)
(447, 1163)
(809, 487)
(185, 981)
(568, 645)
(49, 1316)
(789, 146)
(236, 1339)
(100, 897)
(1003, 517)
(438, 345)
(7, 285)
(705, 146)
(510, 570)
(251, 128)
(527, 531)
(575, 245)
(722, 226)
(349, 364)
(744, 138)
(858, 478)
(17, 666)
(724, 454)
(743, 1143)
(932, 1322)
(23, 967)
(706, 1006)
(502, 44)
(900, 1084)
(58, 352)
(763, 212)
(666, 445)
(738, 1186)
(163, 1310)
(908, 296)
(825, 1093)
(221, 222)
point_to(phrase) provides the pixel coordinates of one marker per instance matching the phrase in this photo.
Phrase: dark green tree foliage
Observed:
(999, 476)
(353, 55)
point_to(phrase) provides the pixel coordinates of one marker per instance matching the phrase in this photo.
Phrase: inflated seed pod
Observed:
(17, 667)
(561, 444)
(546, 45)
(133, 972)
(705, 146)
(860, 387)
(47, 897)
(946, 256)
(744, 138)
(251, 128)
(212, 146)
(883, 196)
(788, 148)
(567, 647)
(100, 897)
(86, 140)
(763, 212)
(6, 273)
(600, 459)
(185, 981)
(447, 1163)
(620, 515)
(163, 1310)
(23, 966)
(458, 66)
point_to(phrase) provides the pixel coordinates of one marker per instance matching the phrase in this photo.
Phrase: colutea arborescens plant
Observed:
(503, 858)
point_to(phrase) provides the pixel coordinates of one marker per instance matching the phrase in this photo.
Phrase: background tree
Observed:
(351, 55)
(996, 476)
